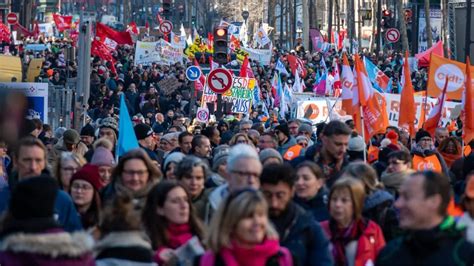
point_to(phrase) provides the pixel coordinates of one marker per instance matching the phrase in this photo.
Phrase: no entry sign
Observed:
(219, 80)
(12, 18)
(392, 35)
(166, 27)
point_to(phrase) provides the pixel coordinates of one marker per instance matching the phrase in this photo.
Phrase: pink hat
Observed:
(102, 156)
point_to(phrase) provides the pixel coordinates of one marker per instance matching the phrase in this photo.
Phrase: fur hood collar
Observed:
(49, 244)
(123, 239)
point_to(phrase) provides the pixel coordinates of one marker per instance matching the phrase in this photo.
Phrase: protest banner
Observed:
(440, 68)
(262, 56)
(320, 109)
(240, 95)
(169, 85)
(160, 52)
(36, 94)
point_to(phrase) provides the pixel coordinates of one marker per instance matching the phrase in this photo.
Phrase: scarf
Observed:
(450, 158)
(257, 255)
(178, 234)
(341, 237)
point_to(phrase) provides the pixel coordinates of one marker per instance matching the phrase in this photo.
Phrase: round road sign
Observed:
(12, 18)
(392, 35)
(193, 73)
(166, 27)
(219, 80)
(202, 115)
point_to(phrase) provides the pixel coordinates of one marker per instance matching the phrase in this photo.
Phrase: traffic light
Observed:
(387, 19)
(166, 5)
(220, 45)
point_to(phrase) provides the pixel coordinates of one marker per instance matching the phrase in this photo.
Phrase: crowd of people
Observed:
(248, 190)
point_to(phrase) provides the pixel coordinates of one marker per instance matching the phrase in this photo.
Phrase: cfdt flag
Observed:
(127, 139)
(347, 83)
(407, 101)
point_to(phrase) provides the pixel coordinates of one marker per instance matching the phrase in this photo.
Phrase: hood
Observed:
(291, 142)
(376, 198)
(60, 244)
(121, 240)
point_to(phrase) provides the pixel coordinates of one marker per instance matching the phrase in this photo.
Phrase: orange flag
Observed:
(435, 115)
(468, 110)
(373, 103)
(347, 81)
(407, 114)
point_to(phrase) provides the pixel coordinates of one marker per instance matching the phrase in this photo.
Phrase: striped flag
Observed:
(433, 119)
(346, 85)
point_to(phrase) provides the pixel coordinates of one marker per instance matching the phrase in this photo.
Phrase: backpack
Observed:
(284, 258)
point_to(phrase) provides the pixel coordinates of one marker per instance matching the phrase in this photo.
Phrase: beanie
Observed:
(283, 128)
(71, 136)
(102, 157)
(305, 128)
(174, 157)
(109, 122)
(421, 134)
(270, 153)
(392, 136)
(88, 130)
(219, 159)
(385, 142)
(356, 144)
(142, 131)
(88, 173)
(34, 198)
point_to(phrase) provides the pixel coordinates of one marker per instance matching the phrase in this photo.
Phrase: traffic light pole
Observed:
(379, 25)
(467, 45)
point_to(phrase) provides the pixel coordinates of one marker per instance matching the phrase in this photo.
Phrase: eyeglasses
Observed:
(78, 187)
(69, 169)
(426, 139)
(135, 172)
(246, 174)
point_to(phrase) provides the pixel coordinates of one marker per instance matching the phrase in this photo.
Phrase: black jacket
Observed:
(317, 206)
(443, 245)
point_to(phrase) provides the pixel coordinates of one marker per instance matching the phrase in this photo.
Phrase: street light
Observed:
(245, 15)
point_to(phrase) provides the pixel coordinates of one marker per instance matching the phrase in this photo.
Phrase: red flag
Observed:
(158, 18)
(434, 117)
(407, 114)
(103, 52)
(132, 28)
(244, 68)
(199, 84)
(24, 31)
(210, 41)
(4, 33)
(36, 30)
(120, 37)
(468, 110)
(62, 22)
(147, 26)
(296, 64)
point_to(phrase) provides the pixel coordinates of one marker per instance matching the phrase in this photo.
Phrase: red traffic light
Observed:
(220, 32)
(386, 13)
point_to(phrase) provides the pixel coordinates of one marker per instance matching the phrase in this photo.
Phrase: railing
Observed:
(60, 106)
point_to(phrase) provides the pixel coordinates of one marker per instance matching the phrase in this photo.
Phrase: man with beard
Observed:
(298, 230)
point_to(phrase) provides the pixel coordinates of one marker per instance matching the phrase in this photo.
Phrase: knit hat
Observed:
(305, 128)
(170, 136)
(392, 136)
(34, 198)
(270, 153)
(302, 138)
(109, 122)
(219, 159)
(421, 134)
(71, 136)
(174, 157)
(88, 130)
(89, 173)
(283, 128)
(356, 144)
(102, 157)
(385, 142)
(142, 131)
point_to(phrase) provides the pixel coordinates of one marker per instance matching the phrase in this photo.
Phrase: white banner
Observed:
(263, 56)
(435, 23)
(46, 29)
(37, 95)
(321, 109)
(160, 52)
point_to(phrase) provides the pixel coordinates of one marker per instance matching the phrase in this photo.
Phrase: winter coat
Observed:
(284, 148)
(306, 240)
(369, 243)
(201, 205)
(64, 210)
(124, 248)
(379, 208)
(443, 245)
(50, 248)
(317, 206)
(215, 199)
(434, 157)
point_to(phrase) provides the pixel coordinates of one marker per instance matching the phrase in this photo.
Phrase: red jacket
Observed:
(368, 245)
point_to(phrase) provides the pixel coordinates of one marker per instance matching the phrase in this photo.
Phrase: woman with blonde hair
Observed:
(67, 165)
(355, 240)
(241, 234)
(240, 138)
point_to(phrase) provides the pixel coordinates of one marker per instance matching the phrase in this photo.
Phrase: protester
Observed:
(270, 156)
(267, 140)
(135, 174)
(146, 141)
(84, 190)
(122, 240)
(298, 230)
(432, 237)
(170, 220)
(288, 148)
(88, 135)
(104, 159)
(192, 173)
(185, 142)
(310, 190)
(240, 138)
(398, 169)
(169, 166)
(441, 133)
(425, 155)
(241, 234)
(201, 147)
(31, 236)
(450, 149)
(67, 164)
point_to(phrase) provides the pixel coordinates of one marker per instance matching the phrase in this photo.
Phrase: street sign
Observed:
(12, 18)
(166, 27)
(219, 80)
(193, 73)
(392, 35)
(202, 115)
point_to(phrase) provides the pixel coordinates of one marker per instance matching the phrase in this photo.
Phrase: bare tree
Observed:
(403, 26)
(429, 35)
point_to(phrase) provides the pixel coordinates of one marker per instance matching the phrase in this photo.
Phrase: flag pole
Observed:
(363, 132)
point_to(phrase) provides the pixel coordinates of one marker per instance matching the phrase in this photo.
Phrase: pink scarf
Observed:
(256, 255)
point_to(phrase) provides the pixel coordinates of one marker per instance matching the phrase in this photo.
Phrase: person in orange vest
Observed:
(425, 155)
(287, 146)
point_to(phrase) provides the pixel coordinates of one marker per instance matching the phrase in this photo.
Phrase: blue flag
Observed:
(127, 139)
